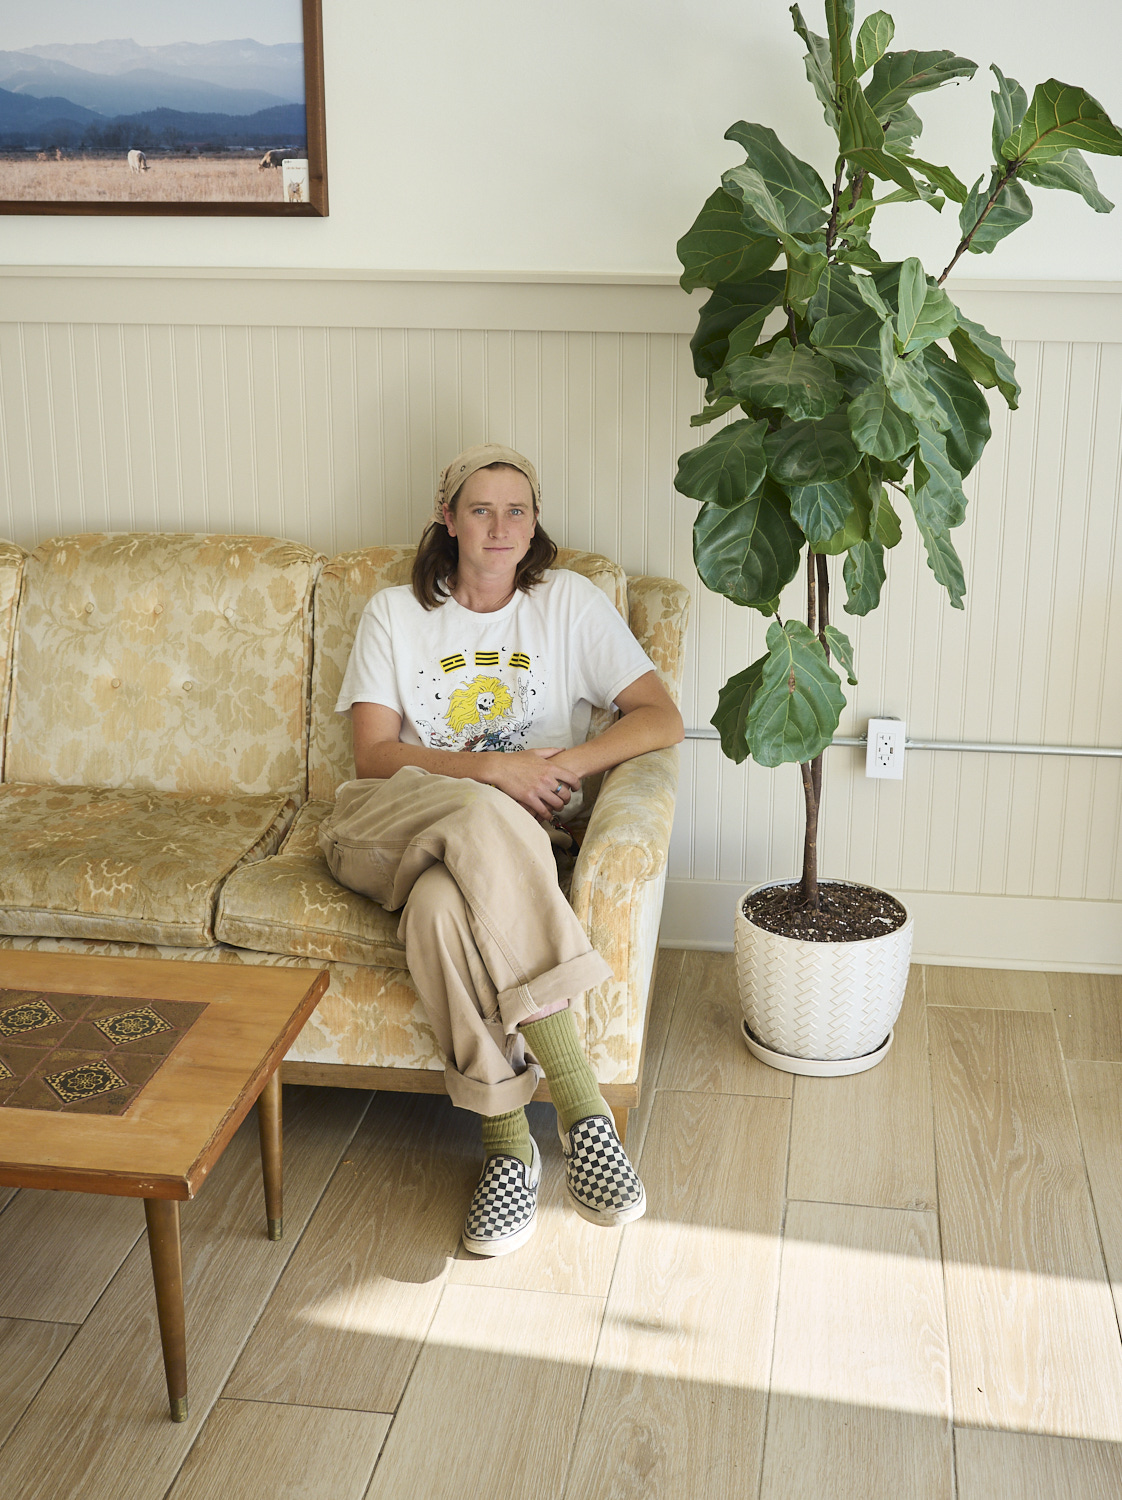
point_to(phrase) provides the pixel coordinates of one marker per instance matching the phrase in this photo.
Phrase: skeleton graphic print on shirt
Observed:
(459, 707)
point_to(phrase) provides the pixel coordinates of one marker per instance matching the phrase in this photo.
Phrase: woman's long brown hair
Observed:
(434, 567)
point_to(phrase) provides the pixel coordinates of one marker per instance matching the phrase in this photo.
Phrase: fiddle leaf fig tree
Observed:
(855, 381)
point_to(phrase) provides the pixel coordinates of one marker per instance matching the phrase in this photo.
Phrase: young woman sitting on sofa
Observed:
(471, 694)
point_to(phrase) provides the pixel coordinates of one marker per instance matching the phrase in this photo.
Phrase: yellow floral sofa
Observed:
(170, 748)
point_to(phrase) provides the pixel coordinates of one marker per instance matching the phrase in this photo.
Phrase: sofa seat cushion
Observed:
(291, 904)
(127, 864)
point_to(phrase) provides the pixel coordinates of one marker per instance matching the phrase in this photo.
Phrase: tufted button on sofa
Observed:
(170, 749)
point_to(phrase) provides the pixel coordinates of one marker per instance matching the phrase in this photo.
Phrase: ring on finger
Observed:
(557, 789)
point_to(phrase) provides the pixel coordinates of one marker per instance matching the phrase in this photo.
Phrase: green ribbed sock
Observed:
(507, 1135)
(572, 1083)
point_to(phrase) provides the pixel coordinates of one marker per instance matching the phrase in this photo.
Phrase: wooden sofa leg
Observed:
(619, 1115)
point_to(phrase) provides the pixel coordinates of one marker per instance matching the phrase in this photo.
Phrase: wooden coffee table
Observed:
(239, 1022)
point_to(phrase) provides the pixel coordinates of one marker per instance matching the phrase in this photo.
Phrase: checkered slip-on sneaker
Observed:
(602, 1183)
(503, 1213)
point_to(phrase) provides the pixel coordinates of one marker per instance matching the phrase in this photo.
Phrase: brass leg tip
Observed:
(179, 1408)
(276, 1229)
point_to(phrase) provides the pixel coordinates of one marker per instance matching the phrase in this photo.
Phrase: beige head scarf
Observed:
(478, 458)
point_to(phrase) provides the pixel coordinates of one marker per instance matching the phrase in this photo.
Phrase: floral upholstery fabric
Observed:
(345, 585)
(658, 611)
(11, 572)
(173, 663)
(291, 904)
(123, 863)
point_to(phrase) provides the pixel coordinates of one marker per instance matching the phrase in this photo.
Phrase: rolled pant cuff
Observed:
(491, 1098)
(564, 982)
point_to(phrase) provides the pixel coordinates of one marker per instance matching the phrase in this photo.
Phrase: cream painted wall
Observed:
(582, 136)
(321, 408)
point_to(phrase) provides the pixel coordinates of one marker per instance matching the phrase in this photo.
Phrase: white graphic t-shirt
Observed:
(523, 677)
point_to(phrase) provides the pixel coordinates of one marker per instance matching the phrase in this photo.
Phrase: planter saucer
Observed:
(811, 1067)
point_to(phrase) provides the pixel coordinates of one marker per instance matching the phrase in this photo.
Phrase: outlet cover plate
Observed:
(884, 751)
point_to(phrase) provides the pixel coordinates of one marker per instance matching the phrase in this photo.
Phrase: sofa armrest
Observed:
(616, 893)
(629, 828)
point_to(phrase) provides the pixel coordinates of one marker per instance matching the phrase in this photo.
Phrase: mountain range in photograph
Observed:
(116, 92)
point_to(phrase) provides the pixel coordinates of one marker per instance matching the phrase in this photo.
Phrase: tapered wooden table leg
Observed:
(165, 1249)
(269, 1127)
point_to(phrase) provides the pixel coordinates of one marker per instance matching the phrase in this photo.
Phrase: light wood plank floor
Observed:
(900, 1285)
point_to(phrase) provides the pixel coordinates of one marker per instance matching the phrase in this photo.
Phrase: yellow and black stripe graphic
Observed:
(453, 663)
(519, 659)
(486, 658)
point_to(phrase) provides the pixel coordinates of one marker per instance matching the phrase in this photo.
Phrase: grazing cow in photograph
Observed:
(138, 162)
(274, 159)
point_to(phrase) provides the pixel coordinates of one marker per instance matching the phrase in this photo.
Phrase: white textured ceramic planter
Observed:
(820, 1003)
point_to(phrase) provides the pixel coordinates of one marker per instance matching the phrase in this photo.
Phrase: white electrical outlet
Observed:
(884, 753)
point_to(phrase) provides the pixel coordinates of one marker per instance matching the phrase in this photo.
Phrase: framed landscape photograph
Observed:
(163, 107)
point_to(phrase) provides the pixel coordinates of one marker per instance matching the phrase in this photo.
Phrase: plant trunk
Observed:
(817, 618)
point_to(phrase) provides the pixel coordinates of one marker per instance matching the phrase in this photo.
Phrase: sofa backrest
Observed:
(163, 661)
(11, 571)
(345, 585)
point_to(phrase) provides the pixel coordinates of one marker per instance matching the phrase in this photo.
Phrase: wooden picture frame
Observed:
(312, 188)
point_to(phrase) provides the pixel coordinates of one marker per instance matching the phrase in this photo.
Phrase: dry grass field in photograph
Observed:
(169, 179)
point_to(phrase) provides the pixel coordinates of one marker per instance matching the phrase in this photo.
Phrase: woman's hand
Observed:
(531, 777)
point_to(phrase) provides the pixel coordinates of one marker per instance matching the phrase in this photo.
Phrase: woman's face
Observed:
(492, 518)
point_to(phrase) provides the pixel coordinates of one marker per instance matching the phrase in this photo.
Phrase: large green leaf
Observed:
(795, 380)
(888, 530)
(795, 711)
(856, 525)
(942, 559)
(733, 703)
(750, 553)
(741, 306)
(836, 295)
(906, 379)
(818, 68)
(1012, 207)
(873, 40)
(861, 139)
(1009, 105)
(801, 453)
(941, 177)
(804, 271)
(839, 643)
(783, 192)
(714, 409)
(937, 496)
(965, 408)
(863, 575)
(981, 355)
(1060, 116)
(925, 313)
(900, 75)
(839, 27)
(822, 510)
(720, 247)
(726, 470)
(852, 340)
(1069, 171)
(902, 128)
(878, 425)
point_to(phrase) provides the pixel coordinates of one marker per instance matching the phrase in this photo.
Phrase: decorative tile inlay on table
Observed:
(32, 1014)
(132, 1025)
(85, 1054)
(84, 1082)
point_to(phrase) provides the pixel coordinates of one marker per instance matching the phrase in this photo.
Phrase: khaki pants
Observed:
(489, 938)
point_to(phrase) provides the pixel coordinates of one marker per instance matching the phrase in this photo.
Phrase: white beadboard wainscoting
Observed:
(320, 406)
